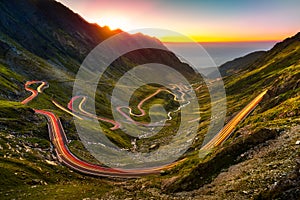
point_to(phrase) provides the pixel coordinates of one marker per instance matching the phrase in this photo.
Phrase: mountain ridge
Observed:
(65, 38)
(237, 64)
(30, 169)
(278, 70)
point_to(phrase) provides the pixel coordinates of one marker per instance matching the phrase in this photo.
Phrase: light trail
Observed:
(231, 125)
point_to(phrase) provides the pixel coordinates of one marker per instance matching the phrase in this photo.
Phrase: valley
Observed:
(44, 154)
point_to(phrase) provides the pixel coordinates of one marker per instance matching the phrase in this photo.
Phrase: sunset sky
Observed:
(202, 20)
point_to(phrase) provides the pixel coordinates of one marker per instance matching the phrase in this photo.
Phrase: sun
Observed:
(114, 22)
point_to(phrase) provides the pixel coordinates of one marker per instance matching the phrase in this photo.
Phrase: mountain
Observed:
(60, 32)
(234, 66)
(259, 138)
(44, 40)
(64, 38)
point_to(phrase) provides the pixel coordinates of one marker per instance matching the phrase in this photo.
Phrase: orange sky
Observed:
(203, 21)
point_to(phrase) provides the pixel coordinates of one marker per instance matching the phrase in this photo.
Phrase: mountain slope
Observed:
(29, 168)
(238, 64)
(62, 35)
(44, 40)
(62, 38)
(278, 70)
(43, 45)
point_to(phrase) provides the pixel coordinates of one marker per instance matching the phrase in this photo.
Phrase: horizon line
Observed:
(211, 42)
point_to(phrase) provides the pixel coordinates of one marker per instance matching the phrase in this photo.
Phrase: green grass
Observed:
(278, 111)
(25, 174)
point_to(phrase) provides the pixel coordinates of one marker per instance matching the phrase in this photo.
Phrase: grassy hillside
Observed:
(30, 170)
(279, 72)
(273, 118)
(238, 64)
(29, 167)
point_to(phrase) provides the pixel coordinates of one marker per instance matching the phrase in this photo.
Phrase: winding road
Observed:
(228, 129)
(59, 138)
(116, 124)
(34, 93)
